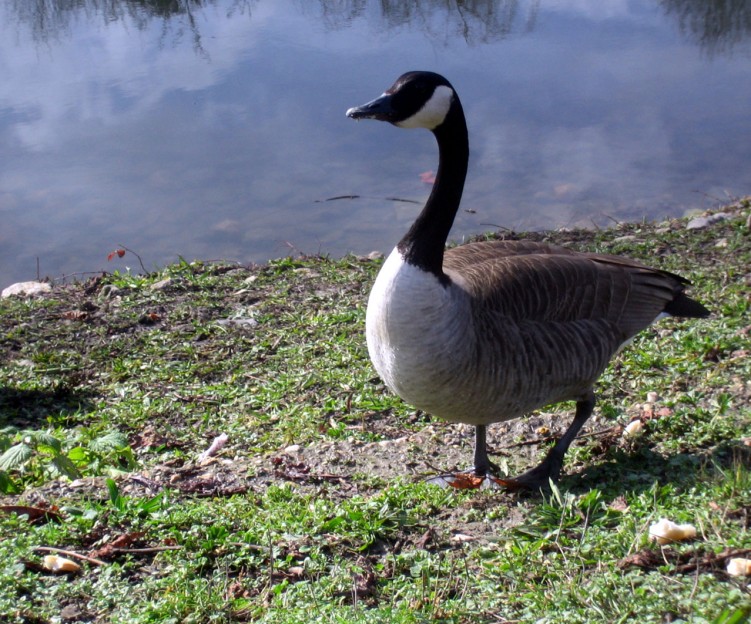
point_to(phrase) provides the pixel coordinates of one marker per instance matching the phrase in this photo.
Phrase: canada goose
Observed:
(489, 331)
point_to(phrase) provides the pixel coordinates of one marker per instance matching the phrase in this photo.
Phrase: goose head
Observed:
(422, 99)
(418, 99)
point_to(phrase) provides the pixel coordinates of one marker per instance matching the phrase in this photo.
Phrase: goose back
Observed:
(525, 280)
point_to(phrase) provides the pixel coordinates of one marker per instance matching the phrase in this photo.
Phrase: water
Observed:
(216, 129)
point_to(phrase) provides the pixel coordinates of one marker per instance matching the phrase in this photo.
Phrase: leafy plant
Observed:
(35, 456)
(142, 507)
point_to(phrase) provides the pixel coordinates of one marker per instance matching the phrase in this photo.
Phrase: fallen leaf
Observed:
(643, 559)
(216, 445)
(365, 584)
(425, 539)
(120, 542)
(465, 481)
(33, 514)
(75, 315)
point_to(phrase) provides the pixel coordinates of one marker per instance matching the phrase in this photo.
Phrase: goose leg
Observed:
(482, 462)
(550, 467)
(478, 476)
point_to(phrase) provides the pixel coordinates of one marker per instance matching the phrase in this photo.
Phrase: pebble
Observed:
(701, 222)
(292, 449)
(161, 284)
(238, 322)
(109, 291)
(26, 289)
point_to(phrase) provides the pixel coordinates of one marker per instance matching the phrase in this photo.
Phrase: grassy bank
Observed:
(314, 510)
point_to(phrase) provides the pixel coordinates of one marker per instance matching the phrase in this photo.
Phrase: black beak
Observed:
(380, 109)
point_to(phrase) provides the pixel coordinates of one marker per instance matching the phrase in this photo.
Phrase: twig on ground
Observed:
(70, 553)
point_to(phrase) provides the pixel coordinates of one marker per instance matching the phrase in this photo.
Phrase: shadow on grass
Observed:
(28, 409)
(622, 471)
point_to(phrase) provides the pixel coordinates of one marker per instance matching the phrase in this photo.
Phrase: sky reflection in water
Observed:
(216, 132)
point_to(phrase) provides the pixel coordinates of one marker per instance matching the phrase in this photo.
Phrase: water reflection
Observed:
(210, 128)
(474, 21)
(715, 25)
(47, 20)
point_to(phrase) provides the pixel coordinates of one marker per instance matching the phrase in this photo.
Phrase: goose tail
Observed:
(684, 306)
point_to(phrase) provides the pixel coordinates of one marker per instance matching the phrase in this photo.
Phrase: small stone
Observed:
(109, 291)
(292, 449)
(26, 289)
(461, 538)
(652, 397)
(375, 255)
(161, 284)
(245, 323)
(699, 223)
(71, 613)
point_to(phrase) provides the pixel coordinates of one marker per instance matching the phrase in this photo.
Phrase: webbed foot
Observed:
(467, 480)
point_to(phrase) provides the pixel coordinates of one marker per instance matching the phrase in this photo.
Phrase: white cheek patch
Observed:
(433, 112)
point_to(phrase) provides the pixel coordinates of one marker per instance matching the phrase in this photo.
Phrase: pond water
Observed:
(215, 129)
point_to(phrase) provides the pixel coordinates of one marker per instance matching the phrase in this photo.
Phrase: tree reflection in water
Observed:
(715, 25)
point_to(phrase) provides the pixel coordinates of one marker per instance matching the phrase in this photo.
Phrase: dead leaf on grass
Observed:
(426, 538)
(646, 559)
(465, 481)
(619, 504)
(120, 542)
(34, 515)
(75, 315)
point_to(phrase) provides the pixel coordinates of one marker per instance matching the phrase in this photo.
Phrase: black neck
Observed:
(423, 244)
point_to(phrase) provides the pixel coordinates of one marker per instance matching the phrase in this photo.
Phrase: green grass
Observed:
(110, 389)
